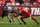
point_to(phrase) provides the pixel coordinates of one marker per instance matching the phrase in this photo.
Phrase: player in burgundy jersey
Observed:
(27, 14)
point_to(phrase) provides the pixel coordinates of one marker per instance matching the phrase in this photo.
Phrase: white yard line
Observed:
(15, 22)
(7, 22)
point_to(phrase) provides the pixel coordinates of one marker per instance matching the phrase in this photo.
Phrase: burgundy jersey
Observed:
(24, 10)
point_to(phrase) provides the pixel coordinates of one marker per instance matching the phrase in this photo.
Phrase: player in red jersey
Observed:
(27, 14)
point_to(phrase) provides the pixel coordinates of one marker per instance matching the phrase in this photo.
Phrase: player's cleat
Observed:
(24, 23)
(10, 21)
(38, 23)
(2, 18)
(20, 23)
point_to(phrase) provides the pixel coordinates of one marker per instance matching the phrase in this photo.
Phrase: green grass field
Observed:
(30, 23)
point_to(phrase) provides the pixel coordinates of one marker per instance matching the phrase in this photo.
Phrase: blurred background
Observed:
(19, 3)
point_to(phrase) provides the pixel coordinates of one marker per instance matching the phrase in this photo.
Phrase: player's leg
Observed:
(14, 15)
(23, 18)
(34, 20)
(9, 18)
(28, 14)
(18, 19)
(3, 14)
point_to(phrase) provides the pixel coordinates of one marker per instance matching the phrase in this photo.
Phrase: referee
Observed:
(4, 9)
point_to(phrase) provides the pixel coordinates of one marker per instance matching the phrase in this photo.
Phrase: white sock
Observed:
(30, 16)
(19, 20)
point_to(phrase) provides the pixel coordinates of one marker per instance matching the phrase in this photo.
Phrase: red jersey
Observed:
(24, 10)
(39, 1)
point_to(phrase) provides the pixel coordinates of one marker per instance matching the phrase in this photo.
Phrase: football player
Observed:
(27, 14)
